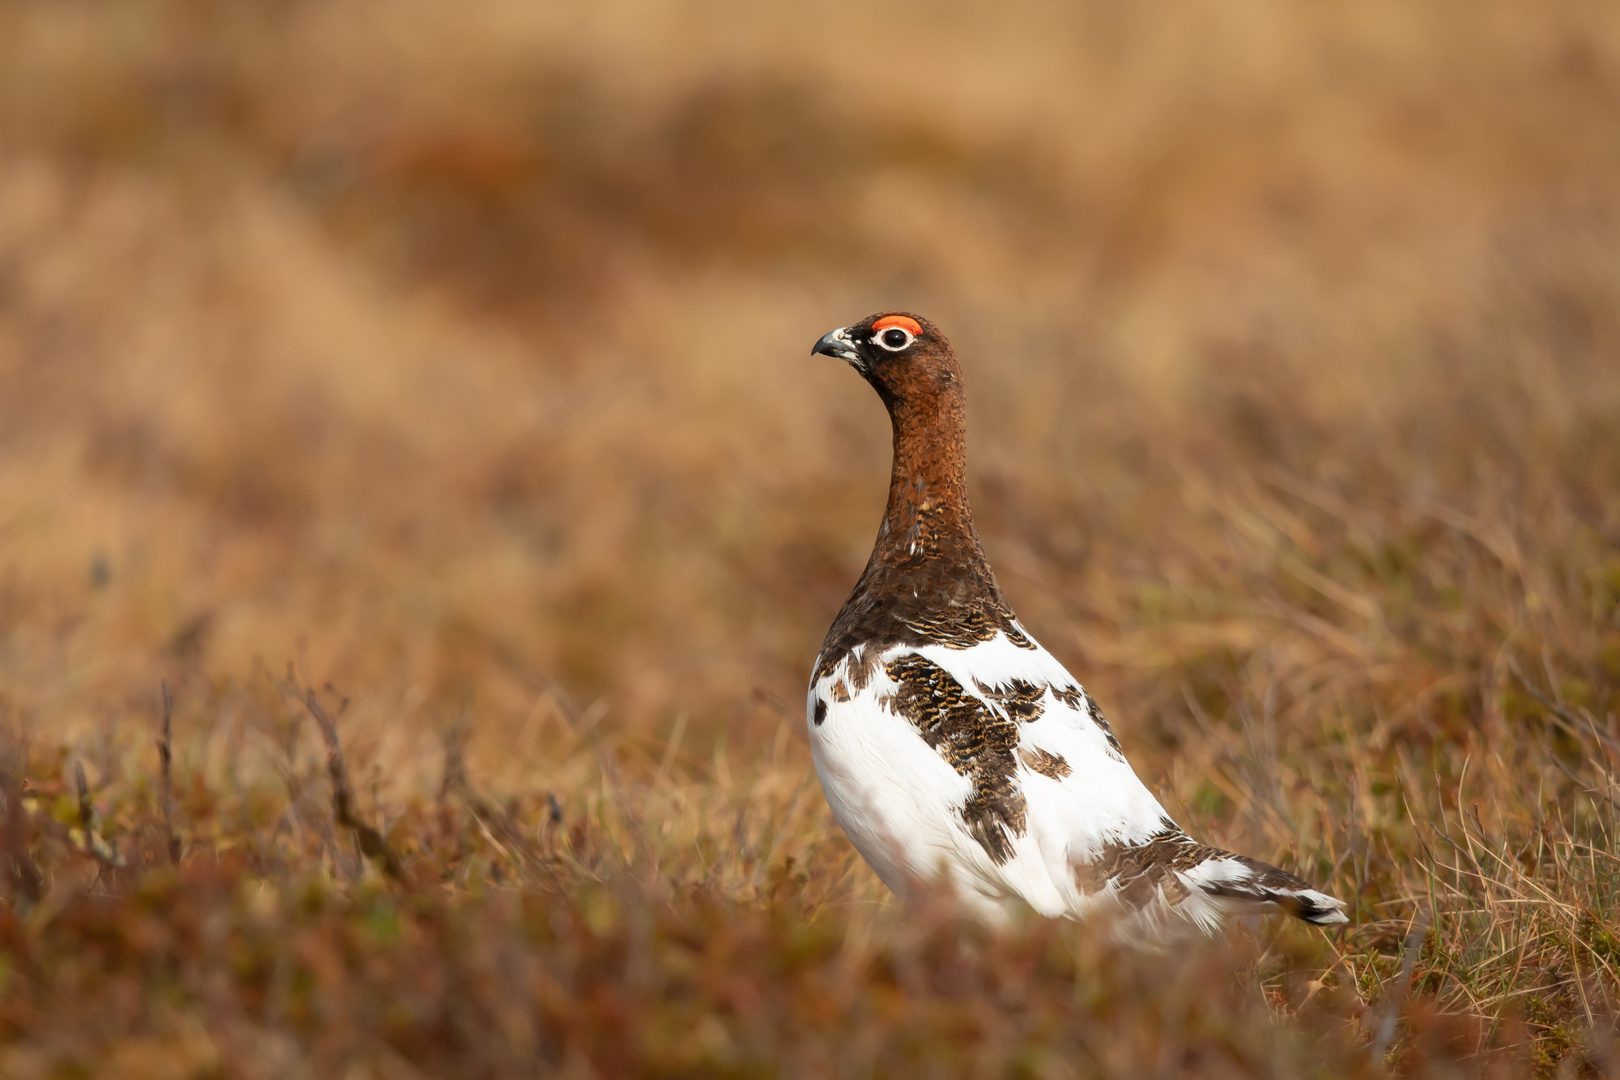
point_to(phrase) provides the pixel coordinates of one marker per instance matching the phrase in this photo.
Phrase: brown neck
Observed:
(928, 517)
(927, 581)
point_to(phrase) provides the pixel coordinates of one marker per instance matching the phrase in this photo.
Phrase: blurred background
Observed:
(458, 353)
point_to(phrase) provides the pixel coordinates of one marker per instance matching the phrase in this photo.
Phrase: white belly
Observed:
(892, 794)
(900, 803)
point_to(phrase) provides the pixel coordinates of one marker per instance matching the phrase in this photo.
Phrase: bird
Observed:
(952, 747)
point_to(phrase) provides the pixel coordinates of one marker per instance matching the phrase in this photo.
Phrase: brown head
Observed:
(905, 358)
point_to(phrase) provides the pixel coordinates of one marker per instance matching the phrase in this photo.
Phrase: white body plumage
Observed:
(903, 804)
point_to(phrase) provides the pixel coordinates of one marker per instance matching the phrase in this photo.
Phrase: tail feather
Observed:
(1250, 881)
(1171, 872)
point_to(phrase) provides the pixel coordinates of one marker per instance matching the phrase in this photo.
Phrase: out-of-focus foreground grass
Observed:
(454, 355)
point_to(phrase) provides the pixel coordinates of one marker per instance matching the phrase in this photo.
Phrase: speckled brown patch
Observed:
(1018, 698)
(1101, 721)
(862, 665)
(883, 620)
(1045, 762)
(1081, 702)
(974, 740)
(1139, 871)
(840, 692)
(1072, 696)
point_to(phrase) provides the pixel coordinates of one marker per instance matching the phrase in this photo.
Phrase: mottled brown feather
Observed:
(973, 740)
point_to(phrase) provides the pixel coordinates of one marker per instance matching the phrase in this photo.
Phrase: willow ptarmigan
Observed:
(951, 745)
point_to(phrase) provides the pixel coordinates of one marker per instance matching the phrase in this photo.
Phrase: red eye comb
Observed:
(909, 325)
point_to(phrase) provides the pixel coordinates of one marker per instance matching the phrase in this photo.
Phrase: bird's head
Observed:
(904, 357)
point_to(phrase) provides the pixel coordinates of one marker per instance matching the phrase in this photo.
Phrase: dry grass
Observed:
(454, 355)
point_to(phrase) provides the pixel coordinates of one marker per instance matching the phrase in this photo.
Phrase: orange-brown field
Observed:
(450, 360)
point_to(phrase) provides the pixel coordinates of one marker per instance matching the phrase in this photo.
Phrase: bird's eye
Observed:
(894, 339)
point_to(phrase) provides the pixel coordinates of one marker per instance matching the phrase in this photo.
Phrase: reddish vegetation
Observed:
(456, 355)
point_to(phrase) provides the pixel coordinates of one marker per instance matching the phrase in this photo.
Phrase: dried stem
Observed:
(93, 845)
(166, 756)
(30, 884)
(371, 841)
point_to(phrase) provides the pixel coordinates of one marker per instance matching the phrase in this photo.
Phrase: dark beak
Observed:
(837, 343)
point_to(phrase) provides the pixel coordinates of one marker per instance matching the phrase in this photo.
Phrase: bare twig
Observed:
(93, 845)
(87, 812)
(455, 762)
(30, 884)
(166, 756)
(371, 841)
